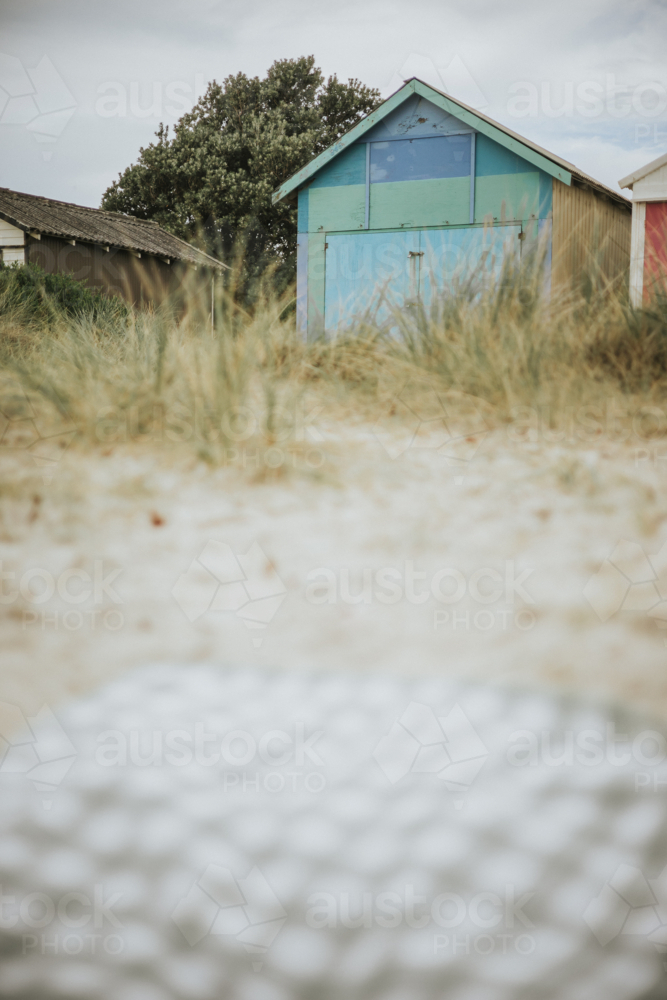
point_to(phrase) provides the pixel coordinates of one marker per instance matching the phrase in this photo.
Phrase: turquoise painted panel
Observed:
(546, 195)
(316, 272)
(302, 223)
(416, 118)
(516, 196)
(348, 168)
(334, 209)
(492, 158)
(369, 272)
(442, 201)
(454, 258)
(302, 283)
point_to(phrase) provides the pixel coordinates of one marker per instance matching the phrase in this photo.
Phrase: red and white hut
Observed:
(648, 254)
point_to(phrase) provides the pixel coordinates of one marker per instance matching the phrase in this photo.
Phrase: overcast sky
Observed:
(83, 85)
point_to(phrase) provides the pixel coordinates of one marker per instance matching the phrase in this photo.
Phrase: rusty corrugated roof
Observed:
(94, 225)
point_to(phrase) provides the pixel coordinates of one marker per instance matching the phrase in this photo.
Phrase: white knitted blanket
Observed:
(200, 833)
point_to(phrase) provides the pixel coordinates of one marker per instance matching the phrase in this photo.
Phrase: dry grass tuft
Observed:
(169, 379)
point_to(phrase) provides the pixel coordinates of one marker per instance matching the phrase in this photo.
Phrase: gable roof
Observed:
(31, 213)
(551, 164)
(638, 175)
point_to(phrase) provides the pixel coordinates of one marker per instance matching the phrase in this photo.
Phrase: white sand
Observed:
(555, 510)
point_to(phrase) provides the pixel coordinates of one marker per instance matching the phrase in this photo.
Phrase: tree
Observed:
(212, 181)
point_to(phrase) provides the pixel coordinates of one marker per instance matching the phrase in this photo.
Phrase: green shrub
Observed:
(28, 290)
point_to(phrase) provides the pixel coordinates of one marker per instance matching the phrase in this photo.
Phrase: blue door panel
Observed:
(370, 273)
(453, 257)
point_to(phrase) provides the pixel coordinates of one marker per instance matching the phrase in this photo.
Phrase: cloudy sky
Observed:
(84, 85)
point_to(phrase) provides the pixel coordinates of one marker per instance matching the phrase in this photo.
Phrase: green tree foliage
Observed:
(212, 181)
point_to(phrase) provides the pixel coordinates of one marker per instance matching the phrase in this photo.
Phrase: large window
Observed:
(420, 159)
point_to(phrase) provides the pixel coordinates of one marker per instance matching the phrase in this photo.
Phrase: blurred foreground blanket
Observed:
(194, 833)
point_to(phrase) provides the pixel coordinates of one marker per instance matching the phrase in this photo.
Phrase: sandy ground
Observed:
(477, 565)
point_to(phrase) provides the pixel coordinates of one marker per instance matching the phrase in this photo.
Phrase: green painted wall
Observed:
(517, 194)
(445, 201)
(503, 176)
(331, 209)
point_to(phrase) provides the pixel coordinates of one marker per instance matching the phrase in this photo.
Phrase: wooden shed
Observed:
(424, 191)
(117, 254)
(648, 266)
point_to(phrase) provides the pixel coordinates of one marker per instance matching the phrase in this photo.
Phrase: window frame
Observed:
(402, 138)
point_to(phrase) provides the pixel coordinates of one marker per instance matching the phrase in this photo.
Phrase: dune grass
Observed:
(99, 379)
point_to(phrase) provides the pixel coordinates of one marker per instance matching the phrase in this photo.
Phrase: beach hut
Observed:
(426, 191)
(113, 253)
(648, 261)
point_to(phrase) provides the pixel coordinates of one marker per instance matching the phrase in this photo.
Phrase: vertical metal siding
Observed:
(591, 237)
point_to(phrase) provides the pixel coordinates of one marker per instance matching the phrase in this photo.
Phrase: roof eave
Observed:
(160, 255)
(638, 175)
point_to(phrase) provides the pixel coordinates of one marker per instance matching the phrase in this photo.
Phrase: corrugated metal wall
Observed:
(590, 238)
(144, 280)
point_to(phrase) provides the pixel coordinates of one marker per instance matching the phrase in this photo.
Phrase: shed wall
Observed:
(506, 188)
(653, 187)
(145, 280)
(12, 244)
(590, 238)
